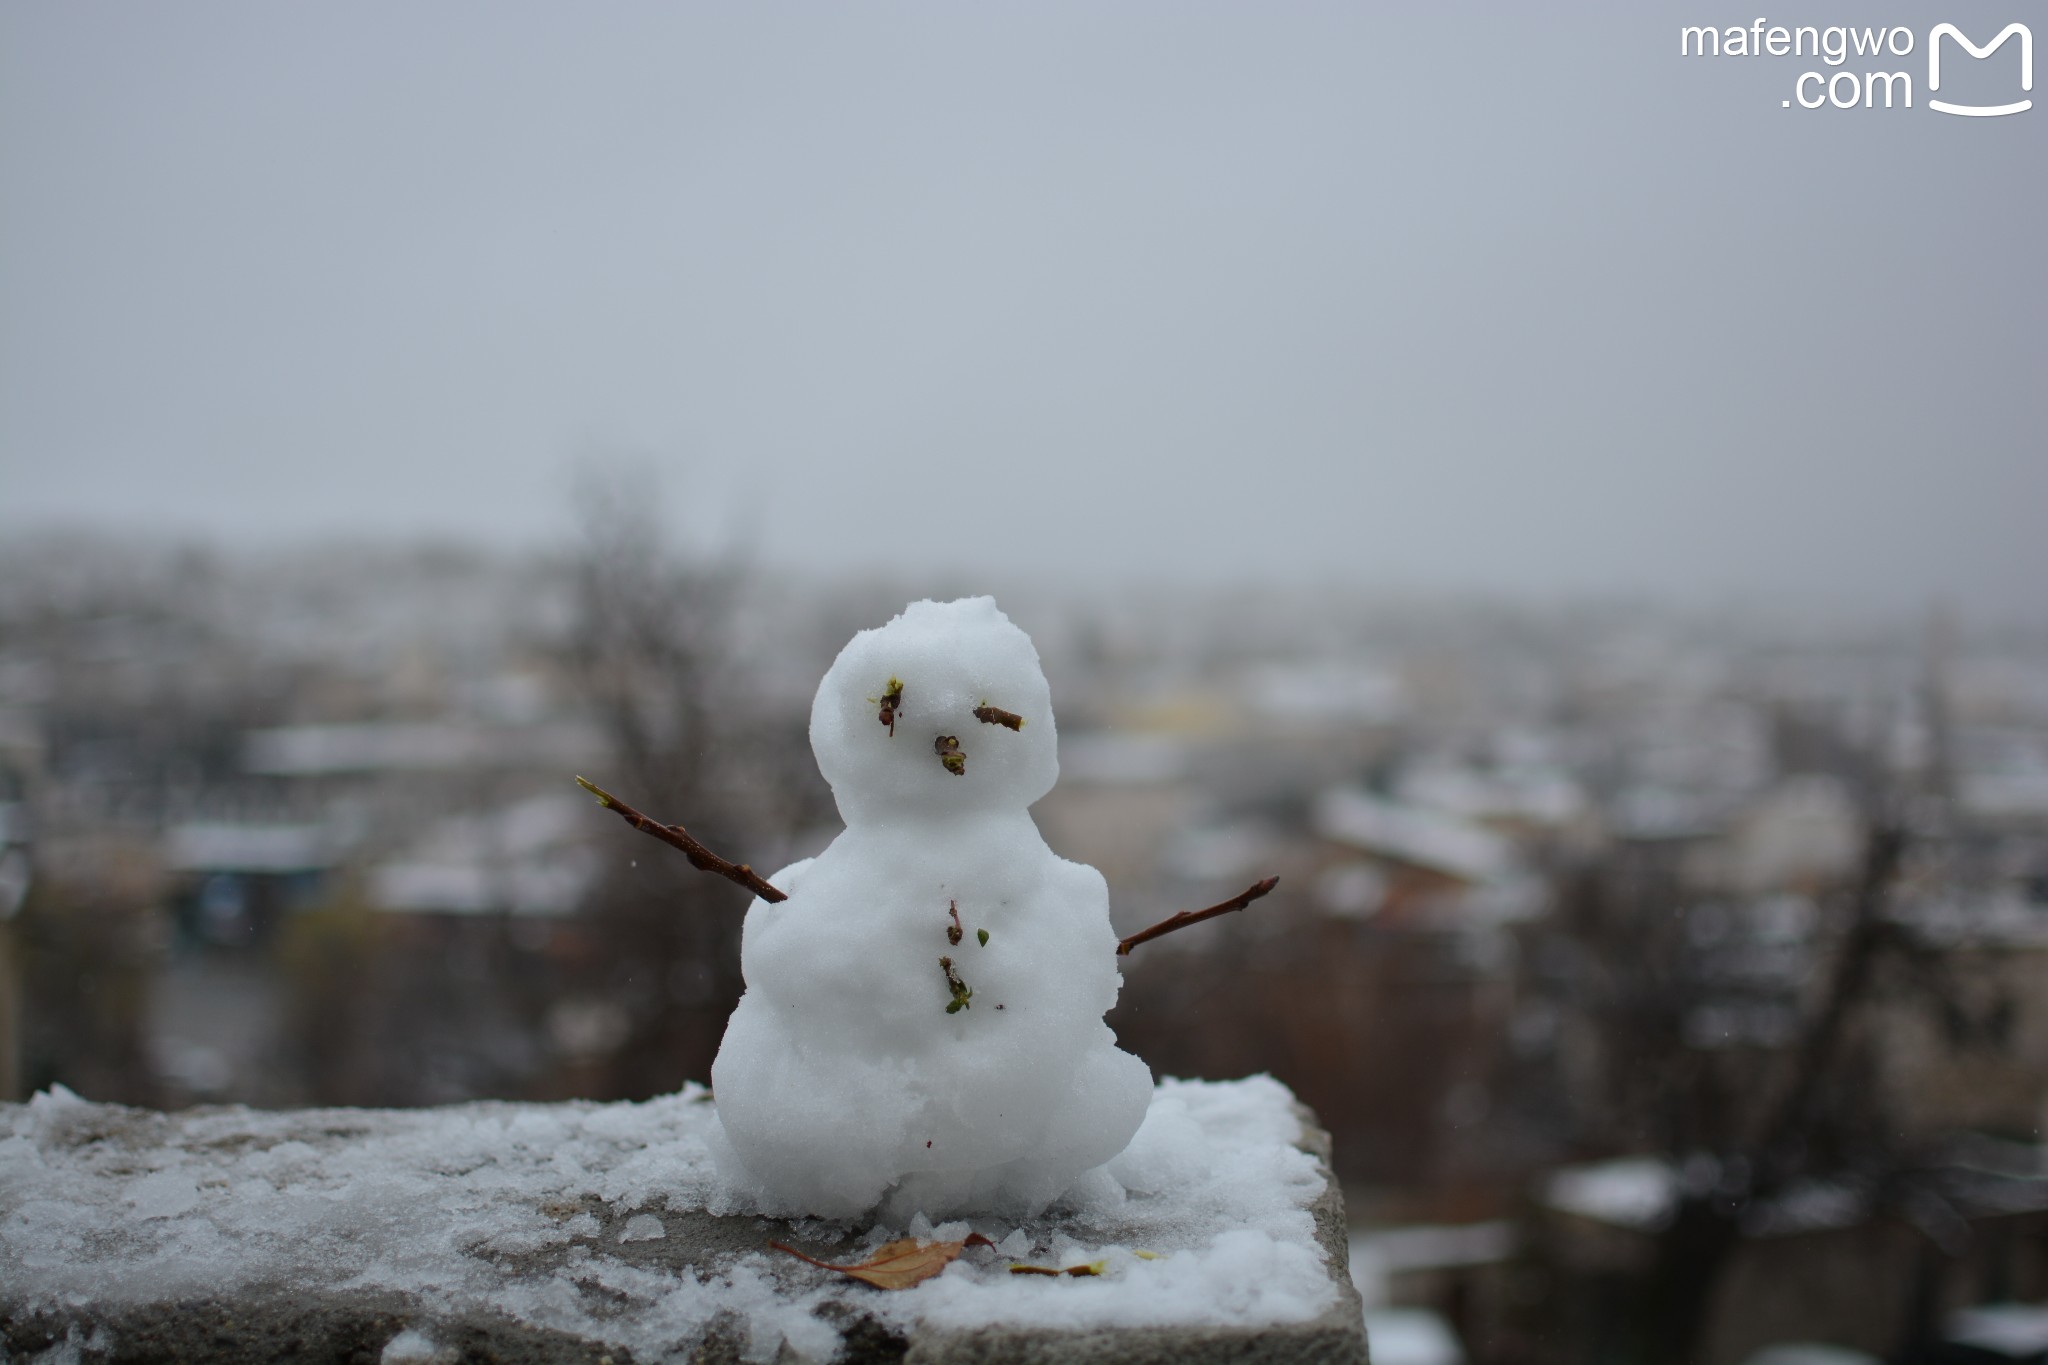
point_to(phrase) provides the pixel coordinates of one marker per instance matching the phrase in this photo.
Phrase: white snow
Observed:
(2016, 1330)
(211, 846)
(1631, 1192)
(1411, 1336)
(409, 1345)
(854, 1070)
(1413, 834)
(1125, 759)
(536, 1211)
(1379, 1255)
(388, 746)
(527, 858)
(1810, 1353)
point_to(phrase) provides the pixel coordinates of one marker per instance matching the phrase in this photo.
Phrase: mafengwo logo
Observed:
(1857, 84)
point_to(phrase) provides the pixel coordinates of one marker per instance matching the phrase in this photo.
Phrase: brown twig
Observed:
(892, 702)
(1187, 917)
(954, 933)
(996, 715)
(1870, 932)
(701, 858)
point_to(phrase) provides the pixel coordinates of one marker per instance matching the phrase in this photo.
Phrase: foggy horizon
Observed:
(1473, 301)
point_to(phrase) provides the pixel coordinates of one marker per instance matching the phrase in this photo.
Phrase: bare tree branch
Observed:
(1187, 917)
(701, 858)
(1847, 989)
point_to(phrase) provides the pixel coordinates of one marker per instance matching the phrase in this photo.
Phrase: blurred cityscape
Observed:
(1673, 982)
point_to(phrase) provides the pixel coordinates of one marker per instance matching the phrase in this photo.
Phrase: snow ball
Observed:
(949, 658)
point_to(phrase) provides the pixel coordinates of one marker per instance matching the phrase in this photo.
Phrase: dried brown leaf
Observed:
(900, 1264)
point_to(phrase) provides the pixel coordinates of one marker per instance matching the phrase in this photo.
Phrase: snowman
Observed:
(922, 1027)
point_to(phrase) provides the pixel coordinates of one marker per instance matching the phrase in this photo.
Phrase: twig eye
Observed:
(892, 702)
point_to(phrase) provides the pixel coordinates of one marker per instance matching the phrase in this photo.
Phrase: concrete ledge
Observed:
(593, 1233)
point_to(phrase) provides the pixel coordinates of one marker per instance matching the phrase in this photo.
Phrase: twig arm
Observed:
(675, 836)
(1187, 917)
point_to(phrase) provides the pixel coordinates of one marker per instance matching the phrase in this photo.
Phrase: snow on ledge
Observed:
(616, 1223)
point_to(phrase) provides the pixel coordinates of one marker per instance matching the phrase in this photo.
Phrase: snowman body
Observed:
(923, 1015)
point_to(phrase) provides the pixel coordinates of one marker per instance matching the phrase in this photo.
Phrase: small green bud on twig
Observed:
(892, 702)
(961, 995)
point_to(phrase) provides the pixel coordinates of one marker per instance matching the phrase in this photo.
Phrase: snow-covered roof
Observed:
(1119, 758)
(1381, 1253)
(214, 846)
(1218, 853)
(1423, 838)
(1810, 1353)
(1630, 1192)
(2014, 1331)
(1360, 693)
(2005, 917)
(1411, 1336)
(431, 746)
(1653, 810)
(476, 888)
(2004, 796)
(305, 750)
(1639, 1192)
(1539, 795)
(528, 858)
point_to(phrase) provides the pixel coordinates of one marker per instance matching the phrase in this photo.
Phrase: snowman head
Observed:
(942, 710)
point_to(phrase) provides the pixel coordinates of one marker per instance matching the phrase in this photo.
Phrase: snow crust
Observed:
(886, 1052)
(547, 1214)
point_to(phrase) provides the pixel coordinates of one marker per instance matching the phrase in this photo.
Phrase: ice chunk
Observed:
(643, 1227)
(410, 1347)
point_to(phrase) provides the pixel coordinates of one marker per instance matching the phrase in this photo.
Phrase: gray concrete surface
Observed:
(264, 1323)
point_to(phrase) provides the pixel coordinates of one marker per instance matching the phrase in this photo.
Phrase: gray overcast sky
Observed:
(1473, 297)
